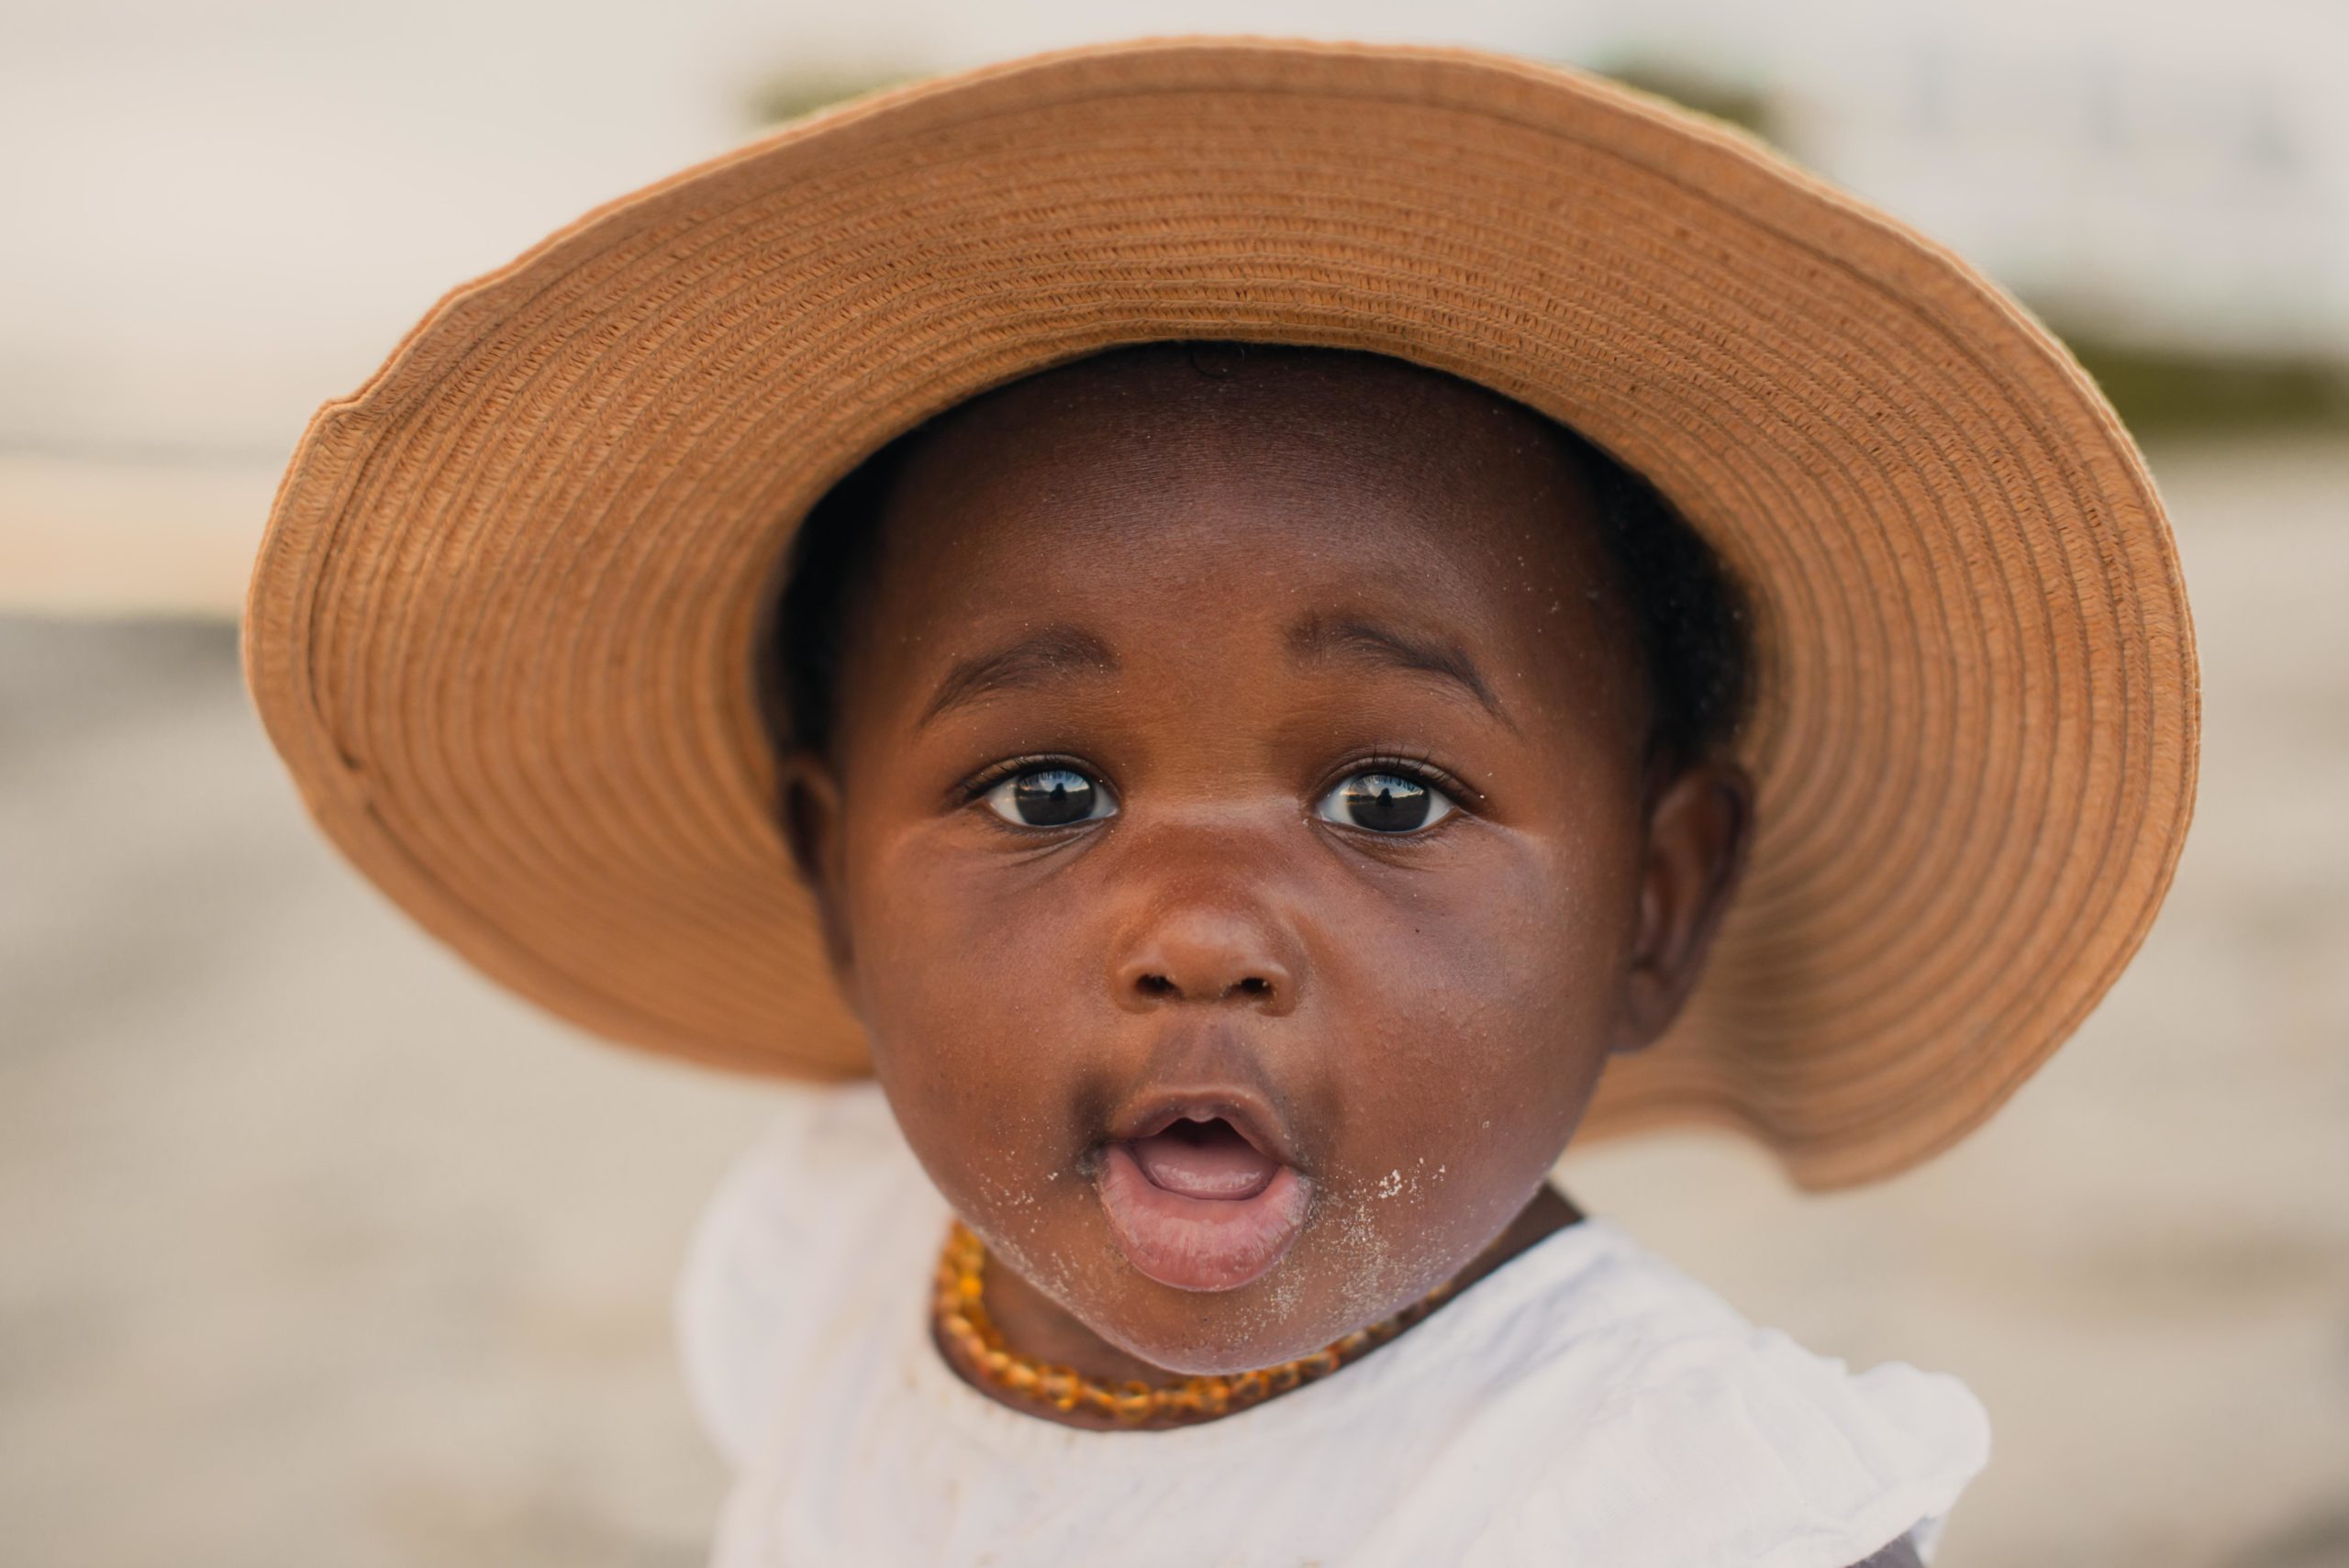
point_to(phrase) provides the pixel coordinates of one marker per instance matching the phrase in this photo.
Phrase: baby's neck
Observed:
(1037, 1327)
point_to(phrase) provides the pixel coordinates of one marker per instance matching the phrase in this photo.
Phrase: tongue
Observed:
(1209, 1161)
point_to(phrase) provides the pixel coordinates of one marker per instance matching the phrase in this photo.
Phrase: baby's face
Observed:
(1238, 844)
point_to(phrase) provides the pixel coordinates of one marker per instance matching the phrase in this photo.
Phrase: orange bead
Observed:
(959, 1312)
(1059, 1385)
(1135, 1402)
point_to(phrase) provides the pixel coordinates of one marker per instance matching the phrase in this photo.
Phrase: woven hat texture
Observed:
(501, 626)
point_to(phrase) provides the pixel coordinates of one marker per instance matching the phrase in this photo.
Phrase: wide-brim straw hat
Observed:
(501, 627)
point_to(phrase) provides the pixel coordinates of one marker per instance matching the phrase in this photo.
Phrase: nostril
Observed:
(1142, 987)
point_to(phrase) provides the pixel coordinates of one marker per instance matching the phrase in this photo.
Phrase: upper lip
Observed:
(1249, 1114)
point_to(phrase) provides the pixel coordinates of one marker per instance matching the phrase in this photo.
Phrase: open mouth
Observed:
(1199, 1205)
(1205, 1159)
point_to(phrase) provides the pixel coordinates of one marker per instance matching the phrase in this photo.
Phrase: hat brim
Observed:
(501, 626)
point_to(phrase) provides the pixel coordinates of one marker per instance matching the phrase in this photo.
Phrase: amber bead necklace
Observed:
(961, 1314)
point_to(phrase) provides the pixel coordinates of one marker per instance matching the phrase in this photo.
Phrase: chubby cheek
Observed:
(973, 996)
(1487, 1007)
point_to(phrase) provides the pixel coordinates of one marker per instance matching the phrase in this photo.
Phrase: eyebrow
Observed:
(1319, 637)
(1055, 652)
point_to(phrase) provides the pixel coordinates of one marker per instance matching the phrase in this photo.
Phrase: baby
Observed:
(1249, 795)
(1251, 792)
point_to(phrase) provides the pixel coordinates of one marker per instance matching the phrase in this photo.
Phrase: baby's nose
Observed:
(1203, 953)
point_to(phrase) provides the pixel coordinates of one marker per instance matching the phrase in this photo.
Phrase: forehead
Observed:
(1151, 449)
(1170, 489)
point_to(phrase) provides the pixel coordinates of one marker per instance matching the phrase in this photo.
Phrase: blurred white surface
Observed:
(223, 212)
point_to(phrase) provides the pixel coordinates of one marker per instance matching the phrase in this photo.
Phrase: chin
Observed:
(1234, 1333)
(1337, 1280)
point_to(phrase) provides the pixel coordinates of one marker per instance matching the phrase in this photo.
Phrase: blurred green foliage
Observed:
(1740, 104)
(802, 90)
(2181, 391)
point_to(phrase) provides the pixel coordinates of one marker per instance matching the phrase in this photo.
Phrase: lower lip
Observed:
(1195, 1243)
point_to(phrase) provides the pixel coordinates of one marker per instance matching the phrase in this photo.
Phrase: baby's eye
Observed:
(1049, 798)
(1384, 803)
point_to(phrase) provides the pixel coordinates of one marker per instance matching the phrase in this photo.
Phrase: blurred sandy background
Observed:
(321, 1252)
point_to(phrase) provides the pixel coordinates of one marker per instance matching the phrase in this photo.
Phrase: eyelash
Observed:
(972, 790)
(1417, 766)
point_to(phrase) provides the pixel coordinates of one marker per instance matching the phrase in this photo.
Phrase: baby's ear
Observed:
(1699, 828)
(807, 806)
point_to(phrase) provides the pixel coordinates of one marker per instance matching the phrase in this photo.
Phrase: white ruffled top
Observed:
(1583, 1403)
